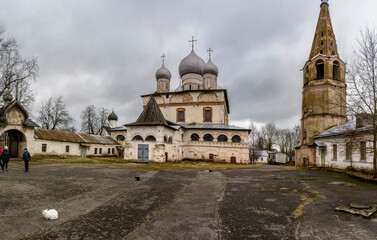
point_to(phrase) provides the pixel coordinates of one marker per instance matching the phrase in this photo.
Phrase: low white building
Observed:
(17, 132)
(347, 145)
(276, 157)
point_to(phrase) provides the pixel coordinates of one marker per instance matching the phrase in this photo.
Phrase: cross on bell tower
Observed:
(192, 42)
(163, 58)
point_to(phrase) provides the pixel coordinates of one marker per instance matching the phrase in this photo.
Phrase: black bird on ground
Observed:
(137, 178)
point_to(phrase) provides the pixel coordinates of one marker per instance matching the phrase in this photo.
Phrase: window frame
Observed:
(44, 147)
(67, 148)
(335, 152)
(184, 114)
(204, 114)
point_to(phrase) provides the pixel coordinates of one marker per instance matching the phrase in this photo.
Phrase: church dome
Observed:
(211, 68)
(112, 116)
(191, 64)
(163, 72)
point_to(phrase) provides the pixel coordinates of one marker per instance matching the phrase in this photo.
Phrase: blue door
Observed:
(143, 152)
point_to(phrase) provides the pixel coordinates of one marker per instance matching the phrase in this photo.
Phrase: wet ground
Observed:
(261, 203)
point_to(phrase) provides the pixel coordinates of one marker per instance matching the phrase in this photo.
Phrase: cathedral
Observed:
(189, 123)
(324, 91)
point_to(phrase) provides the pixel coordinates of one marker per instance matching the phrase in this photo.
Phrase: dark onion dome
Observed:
(163, 72)
(191, 64)
(210, 68)
(7, 97)
(112, 116)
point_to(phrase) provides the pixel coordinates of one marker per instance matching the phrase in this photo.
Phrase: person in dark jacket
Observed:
(5, 156)
(26, 159)
(1, 162)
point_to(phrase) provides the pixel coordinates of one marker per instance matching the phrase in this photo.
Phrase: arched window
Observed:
(120, 138)
(194, 137)
(137, 138)
(236, 139)
(170, 140)
(208, 138)
(150, 138)
(165, 139)
(222, 138)
(335, 70)
(320, 67)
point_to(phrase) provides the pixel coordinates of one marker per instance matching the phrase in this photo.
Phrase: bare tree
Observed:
(92, 119)
(54, 114)
(254, 153)
(16, 73)
(362, 83)
(270, 132)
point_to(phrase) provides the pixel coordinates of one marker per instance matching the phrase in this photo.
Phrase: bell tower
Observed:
(324, 87)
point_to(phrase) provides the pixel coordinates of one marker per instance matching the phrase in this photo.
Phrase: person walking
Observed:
(1, 162)
(5, 156)
(26, 159)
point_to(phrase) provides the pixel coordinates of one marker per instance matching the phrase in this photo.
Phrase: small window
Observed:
(44, 147)
(207, 115)
(322, 34)
(211, 157)
(322, 42)
(194, 137)
(100, 151)
(95, 151)
(67, 149)
(112, 150)
(335, 152)
(348, 151)
(363, 151)
(108, 151)
(208, 138)
(170, 140)
(165, 139)
(236, 139)
(321, 52)
(180, 115)
(150, 138)
(222, 138)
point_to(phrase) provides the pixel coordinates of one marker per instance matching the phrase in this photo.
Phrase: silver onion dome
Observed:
(163, 72)
(211, 68)
(191, 64)
(112, 116)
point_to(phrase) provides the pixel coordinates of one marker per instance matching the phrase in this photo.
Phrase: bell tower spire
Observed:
(324, 39)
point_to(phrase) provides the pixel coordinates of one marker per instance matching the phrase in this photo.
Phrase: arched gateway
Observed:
(15, 140)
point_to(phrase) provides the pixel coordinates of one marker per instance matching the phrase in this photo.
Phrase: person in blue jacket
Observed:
(26, 159)
(5, 156)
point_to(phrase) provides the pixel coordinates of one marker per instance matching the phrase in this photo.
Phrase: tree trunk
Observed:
(374, 152)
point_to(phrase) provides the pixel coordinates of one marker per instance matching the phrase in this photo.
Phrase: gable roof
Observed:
(62, 136)
(5, 109)
(150, 116)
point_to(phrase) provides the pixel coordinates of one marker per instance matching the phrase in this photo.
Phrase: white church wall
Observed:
(193, 102)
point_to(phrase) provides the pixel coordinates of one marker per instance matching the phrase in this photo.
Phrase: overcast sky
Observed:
(106, 52)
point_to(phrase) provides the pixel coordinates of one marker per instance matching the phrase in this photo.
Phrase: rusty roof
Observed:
(62, 136)
(98, 139)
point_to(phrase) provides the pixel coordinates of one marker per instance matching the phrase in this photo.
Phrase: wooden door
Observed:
(323, 155)
(233, 160)
(143, 152)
